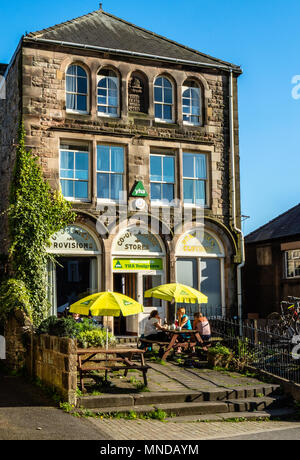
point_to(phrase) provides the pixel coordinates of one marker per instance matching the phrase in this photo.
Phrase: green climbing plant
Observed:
(35, 213)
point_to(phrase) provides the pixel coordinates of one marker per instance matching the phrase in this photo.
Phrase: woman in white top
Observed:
(153, 329)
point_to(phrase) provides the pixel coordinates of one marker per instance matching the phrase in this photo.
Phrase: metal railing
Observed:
(260, 348)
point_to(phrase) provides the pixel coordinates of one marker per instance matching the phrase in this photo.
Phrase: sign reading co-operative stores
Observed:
(137, 242)
(73, 240)
(137, 264)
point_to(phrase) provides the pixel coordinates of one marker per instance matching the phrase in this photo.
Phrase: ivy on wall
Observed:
(35, 213)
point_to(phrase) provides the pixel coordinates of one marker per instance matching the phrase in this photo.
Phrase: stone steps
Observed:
(262, 400)
(165, 397)
(270, 414)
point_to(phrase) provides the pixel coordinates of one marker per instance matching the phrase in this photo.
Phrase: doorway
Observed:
(134, 285)
(75, 278)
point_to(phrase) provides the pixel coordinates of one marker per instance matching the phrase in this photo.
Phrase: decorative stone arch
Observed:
(138, 92)
(79, 246)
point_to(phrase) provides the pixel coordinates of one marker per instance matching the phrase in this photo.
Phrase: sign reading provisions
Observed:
(137, 264)
(139, 190)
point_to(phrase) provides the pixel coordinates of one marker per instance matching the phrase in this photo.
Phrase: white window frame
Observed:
(193, 204)
(73, 199)
(80, 112)
(109, 200)
(294, 257)
(117, 82)
(164, 120)
(190, 114)
(163, 202)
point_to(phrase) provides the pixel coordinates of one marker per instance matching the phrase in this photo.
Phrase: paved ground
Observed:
(171, 431)
(25, 412)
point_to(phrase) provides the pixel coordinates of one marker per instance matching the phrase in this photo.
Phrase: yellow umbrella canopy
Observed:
(107, 304)
(177, 292)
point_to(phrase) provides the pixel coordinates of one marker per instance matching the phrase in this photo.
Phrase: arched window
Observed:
(108, 94)
(191, 103)
(77, 89)
(163, 99)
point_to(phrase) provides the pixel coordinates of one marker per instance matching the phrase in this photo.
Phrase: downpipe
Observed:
(236, 229)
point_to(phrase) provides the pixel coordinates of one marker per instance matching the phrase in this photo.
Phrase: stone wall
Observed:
(17, 332)
(9, 121)
(53, 360)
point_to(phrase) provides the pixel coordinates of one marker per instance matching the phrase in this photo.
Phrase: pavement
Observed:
(26, 413)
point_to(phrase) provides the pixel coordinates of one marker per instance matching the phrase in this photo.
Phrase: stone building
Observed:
(272, 269)
(141, 134)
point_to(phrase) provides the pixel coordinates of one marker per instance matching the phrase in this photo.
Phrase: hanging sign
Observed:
(137, 264)
(139, 190)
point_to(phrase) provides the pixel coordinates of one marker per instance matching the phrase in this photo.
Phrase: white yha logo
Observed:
(2, 348)
(296, 349)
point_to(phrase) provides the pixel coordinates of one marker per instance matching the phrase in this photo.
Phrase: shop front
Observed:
(138, 261)
(200, 259)
(77, 272)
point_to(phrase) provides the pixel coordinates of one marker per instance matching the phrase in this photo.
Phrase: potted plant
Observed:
(219, 355)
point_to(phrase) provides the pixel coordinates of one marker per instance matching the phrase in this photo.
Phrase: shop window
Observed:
(191, 103)
(292, 263)
(110, 172)
(76, 89)
(162, 178)
(194, 179)
(108, 94)
(74, 172)
(163, 100)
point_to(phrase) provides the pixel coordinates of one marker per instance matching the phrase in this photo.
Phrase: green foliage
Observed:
(60, 327)
(95, 338)
(87, 333)
(14, 296)
(34, 214)
(219, 349)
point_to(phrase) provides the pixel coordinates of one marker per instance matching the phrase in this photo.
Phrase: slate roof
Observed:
(285, 225)
(104, 30)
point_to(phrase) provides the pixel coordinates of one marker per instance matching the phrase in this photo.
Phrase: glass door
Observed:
(149, 281)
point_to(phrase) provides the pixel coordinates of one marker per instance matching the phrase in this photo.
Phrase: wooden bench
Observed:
(161, 345)
(114, 355)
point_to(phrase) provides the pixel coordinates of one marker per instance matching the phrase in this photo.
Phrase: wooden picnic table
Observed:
(187, 344)
(113, 359)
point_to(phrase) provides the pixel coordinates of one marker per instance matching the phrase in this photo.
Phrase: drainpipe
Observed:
(236, 229)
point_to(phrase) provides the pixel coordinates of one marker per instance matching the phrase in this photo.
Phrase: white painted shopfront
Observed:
(78, 269)
(138, 261)
(200, 263)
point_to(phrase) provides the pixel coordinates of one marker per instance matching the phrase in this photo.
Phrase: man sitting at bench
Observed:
(154, 330)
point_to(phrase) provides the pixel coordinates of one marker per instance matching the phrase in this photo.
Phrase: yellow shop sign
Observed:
(137, 264)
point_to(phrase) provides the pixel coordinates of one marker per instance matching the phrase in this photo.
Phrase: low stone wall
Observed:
(17, 333)
(53, 360)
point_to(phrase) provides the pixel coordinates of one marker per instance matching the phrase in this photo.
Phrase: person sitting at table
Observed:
(201, 324)
(153, 328)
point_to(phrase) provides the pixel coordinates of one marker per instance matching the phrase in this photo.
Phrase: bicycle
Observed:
(288, 320)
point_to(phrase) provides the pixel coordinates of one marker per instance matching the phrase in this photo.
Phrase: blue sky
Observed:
(263, 36)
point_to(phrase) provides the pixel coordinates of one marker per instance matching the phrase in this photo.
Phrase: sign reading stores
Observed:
(2, 348)
(137, 264)
(73, 239)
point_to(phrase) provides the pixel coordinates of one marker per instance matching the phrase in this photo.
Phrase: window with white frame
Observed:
(163, 100)
(162, 178)
(76, 89)
(110, 172)
(191, 103)
(292, 263)
(108, 94)
(74, 172)
(195, 179)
